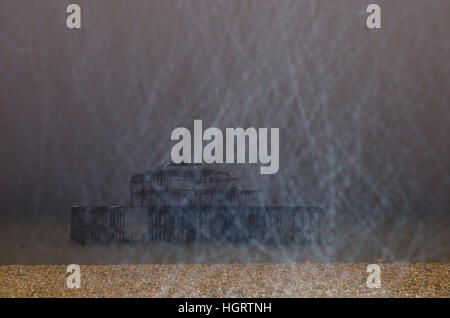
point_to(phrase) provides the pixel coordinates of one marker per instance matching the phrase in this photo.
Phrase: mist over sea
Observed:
(363, 116)
(397, 240)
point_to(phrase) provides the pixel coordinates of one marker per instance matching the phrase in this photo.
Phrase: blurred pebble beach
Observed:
(227, 280)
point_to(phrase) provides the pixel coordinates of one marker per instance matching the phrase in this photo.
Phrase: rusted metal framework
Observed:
(286, 225)
(194, 203)
(189, 185)
(99, 225)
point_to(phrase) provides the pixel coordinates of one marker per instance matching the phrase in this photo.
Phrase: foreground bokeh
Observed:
(230, 280)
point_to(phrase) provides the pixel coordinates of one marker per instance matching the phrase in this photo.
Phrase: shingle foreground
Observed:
(227, 280)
